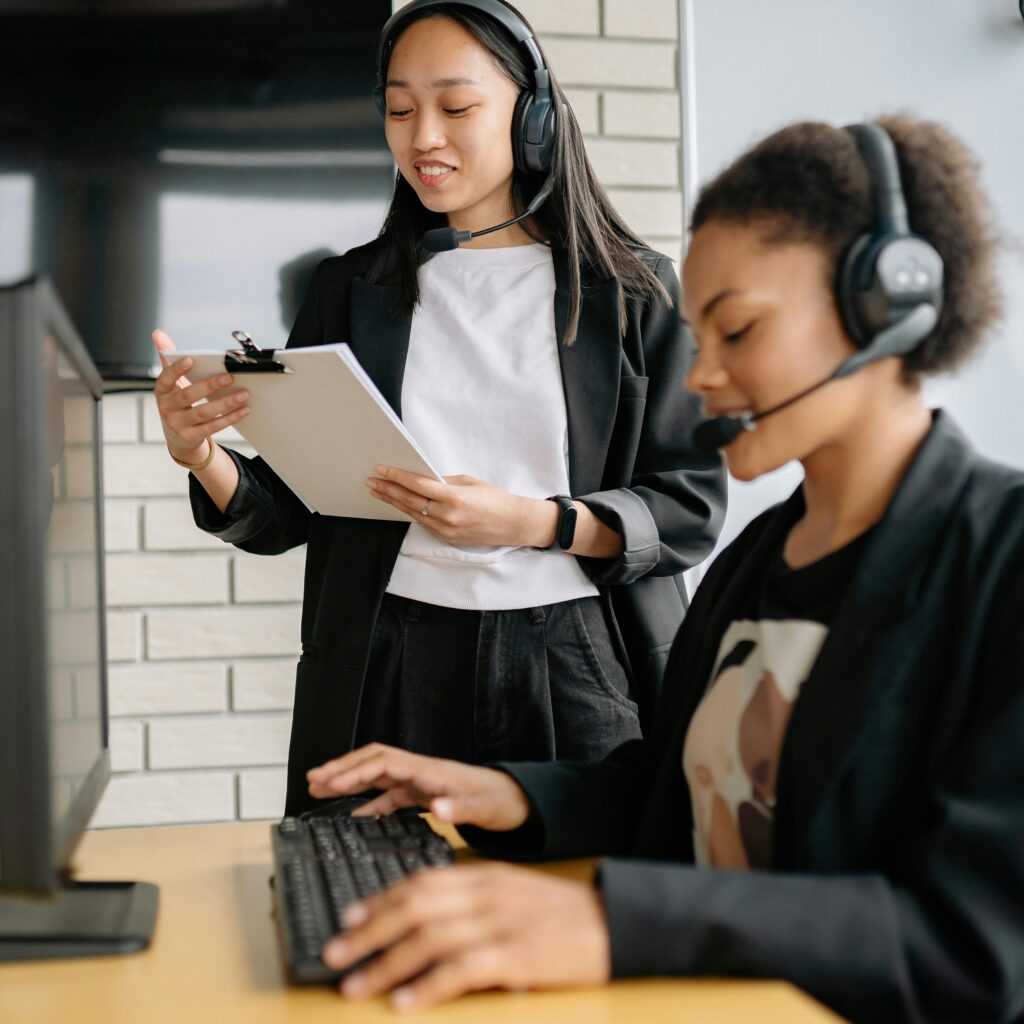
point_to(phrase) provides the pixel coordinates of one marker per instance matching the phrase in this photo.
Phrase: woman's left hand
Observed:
(462, 929)
(462, 510)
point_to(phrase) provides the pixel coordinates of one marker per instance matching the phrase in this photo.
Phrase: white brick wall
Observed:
(202, 638)
(167, 689)
(219, 741)
(261, 792)
(649, 19)
(262, 685)
(166, 798)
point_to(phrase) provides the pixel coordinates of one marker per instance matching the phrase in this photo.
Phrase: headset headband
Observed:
(879, 154)
(501, 13)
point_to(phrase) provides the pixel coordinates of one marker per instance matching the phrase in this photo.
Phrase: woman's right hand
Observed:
(460, 794)
(187, 425)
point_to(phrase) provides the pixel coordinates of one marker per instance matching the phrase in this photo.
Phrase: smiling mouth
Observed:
(434, 174)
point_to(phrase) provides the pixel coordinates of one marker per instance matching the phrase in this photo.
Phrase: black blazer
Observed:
(897, 892)
(630, 459)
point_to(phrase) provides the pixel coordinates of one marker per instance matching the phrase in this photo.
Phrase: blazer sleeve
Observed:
(576, 809)
(671, 513)
(264, 515)
(940, 939)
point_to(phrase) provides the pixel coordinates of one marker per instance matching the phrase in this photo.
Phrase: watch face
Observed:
(567, 528)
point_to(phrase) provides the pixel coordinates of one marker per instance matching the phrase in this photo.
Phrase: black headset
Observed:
(533, 124)
(889, 275)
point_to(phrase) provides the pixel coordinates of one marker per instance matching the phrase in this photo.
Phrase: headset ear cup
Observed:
(546, 148)
(849, 290)
(535, 134)
(520, 128)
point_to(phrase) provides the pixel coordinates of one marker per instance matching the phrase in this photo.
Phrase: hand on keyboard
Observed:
(470, 928)
(456, 793)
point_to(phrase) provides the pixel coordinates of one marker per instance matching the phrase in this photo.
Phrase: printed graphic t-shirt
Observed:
(732, 747)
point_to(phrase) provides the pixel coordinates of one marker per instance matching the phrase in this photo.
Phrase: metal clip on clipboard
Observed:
(250, 359)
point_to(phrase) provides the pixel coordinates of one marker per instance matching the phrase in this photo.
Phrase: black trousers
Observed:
(533, 684)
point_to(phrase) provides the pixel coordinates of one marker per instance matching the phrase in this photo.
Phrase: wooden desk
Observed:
(214, 957)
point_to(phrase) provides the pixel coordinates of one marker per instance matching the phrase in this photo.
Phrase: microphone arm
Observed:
(446, 239)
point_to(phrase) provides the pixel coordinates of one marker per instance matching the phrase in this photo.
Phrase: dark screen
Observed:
(185, 163)
(73, 568)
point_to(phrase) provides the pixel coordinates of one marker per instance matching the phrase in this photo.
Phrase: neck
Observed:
(849, 483)
(495, 209)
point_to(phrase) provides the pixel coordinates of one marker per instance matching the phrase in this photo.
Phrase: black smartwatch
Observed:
(565, 531)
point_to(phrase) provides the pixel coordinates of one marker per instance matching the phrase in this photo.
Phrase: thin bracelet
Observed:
(196, 467)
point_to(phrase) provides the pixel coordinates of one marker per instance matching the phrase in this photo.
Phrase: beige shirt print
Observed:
(731, 753)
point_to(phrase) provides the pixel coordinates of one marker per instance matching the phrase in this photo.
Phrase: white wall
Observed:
(759, 66)
(203, 638)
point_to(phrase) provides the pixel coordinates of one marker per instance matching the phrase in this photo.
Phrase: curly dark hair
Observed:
(808, 183)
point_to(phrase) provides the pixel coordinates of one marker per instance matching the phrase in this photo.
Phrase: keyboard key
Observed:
(390, 868)
(370, 827)
(394, 826)
(411, 860)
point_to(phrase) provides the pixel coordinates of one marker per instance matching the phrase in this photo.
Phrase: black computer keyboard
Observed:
(326, 861)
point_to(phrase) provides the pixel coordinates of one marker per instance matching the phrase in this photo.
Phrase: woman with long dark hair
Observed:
(834, 794)
(529, 605)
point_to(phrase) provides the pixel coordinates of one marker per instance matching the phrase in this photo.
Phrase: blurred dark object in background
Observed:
(162, 160)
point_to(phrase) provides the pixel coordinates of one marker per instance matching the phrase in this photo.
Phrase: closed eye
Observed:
(399, 113)
(456, 112)
(735, 336)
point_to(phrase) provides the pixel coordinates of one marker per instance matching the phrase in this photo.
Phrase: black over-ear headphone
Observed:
(533, 124)
(888, 273)
(888, 287)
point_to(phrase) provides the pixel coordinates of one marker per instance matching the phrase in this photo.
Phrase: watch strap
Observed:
(565, 531)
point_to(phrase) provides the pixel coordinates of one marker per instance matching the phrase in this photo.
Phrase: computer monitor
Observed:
(54, 738)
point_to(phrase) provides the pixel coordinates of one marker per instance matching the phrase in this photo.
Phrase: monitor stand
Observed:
(79, 919)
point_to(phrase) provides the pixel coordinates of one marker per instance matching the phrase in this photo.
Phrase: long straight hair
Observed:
(578, 217)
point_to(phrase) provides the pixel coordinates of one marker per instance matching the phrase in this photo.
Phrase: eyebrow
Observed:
(440, 83)
(711, 303)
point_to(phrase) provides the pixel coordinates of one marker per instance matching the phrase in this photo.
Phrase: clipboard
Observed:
(319, 422)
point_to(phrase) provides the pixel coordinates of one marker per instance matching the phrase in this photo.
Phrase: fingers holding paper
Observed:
(411, 493)
(462, 510)
(191, 413)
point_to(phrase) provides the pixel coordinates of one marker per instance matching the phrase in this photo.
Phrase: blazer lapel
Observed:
(379, 336)
(856, 669)
(590, 374)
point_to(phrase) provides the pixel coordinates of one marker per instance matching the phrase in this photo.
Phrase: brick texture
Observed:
(220, 741)
(167, 525)
(167, 798)
(222, 632)
(167, 579)
(261, 793)
(263, 685)
(642, 19)
(162, 689)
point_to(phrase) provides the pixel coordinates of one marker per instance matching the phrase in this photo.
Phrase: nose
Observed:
(706, 372)
(429, 133)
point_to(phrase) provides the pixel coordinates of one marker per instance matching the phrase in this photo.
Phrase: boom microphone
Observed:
(897, 340)
(446, 239)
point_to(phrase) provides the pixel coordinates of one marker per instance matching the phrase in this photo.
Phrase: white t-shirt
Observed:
(482, 394)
